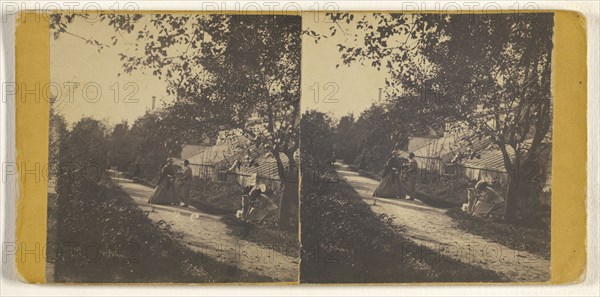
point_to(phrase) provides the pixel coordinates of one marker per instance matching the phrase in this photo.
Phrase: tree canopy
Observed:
(485, 74)
(236, 73)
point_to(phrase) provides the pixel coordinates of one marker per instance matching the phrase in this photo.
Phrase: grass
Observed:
(285, 242)
(216, 197)
(344, 241)
(441, 195)
(131, 248)
(449, 192)
(514, 236)
(224, 198)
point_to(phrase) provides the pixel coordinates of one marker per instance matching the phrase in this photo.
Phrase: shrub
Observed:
(447, 188)
(218, 197)
(372, 160)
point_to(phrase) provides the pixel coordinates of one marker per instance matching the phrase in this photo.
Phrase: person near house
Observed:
(248, 201)
(412, 169)
(258, 207)
(165, 192)
(483, 201)
(186, 183)
(391, 185)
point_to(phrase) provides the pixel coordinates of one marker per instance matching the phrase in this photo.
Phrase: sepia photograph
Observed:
(426, 144)
(174, 148)
(300, 148)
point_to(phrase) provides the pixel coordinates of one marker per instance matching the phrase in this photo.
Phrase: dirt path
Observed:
(206, 234)
(431, 227)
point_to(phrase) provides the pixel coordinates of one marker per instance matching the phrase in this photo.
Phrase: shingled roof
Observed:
(485, 155)
(266, 166)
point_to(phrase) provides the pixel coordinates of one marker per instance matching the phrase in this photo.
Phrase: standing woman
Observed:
(391, 182)
(165, 192)
(411, 176)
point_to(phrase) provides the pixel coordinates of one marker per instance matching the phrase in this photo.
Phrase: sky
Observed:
(343, 90)
(355, 87)
(74, 61)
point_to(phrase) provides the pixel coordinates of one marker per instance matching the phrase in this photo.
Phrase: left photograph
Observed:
(173, 148)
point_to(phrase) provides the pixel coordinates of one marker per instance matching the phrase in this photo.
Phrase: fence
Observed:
(204, 171)
(250, 180)
(210, 172)
(431, 168)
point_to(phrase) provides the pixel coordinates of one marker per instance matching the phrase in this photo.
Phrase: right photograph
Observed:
(425, 147)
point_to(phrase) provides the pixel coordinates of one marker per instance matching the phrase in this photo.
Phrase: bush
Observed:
(446, 188)
(372, 160)
(270, 236)
(217, 197)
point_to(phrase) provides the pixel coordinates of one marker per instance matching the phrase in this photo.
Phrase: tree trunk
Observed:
(517, 195)
(512, 197)
(289, 191)
(289, 197)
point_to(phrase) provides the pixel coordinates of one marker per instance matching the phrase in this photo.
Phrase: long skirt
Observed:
(480, 208)
(411, 183)
(263, 210)
(164, 193)
(391, 186)
(484, 209)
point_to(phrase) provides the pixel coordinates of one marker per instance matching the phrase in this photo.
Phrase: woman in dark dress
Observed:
(391, 185)
(165, 192)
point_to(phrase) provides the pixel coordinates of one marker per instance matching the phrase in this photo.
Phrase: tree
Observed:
(512, 105)
(488, 74)
(83, 159)
(381, 129)
(346, 141)
(155, 141)
(121, 146)
(317, 149)
(376, 143)
(229, 72)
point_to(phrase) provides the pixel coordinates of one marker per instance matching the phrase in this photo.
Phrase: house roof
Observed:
(486, 156)
(489, 159)
(266, 166)
(443, 147)
(223, 153)
(190, 150)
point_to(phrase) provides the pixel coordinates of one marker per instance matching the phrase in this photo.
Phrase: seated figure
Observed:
(257, 207)
(483, 201)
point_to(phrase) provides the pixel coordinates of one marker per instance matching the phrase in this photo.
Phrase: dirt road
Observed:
(431, 227)
(206, 234)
